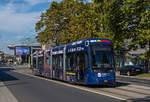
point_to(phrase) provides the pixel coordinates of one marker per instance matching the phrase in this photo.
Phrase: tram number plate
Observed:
(105, 81)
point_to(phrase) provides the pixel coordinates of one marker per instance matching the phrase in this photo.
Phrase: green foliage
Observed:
(119, 20)
(144, 75)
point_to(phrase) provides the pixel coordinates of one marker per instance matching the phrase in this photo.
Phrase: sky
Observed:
(18, 19)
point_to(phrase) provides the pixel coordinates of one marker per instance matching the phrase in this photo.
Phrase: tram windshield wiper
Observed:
(102, 69)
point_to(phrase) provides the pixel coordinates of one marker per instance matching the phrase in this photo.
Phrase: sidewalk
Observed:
(23, 70)
(20, 66)
(5, 94)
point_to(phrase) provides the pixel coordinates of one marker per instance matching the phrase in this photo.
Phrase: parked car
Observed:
(130, 70)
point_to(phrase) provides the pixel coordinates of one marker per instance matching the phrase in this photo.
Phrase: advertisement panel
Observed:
(22, 50)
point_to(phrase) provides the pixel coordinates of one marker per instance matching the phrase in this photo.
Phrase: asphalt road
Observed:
(30, 89)
(132, 80)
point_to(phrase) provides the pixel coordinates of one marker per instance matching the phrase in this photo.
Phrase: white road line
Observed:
(140, 87)
(77, 87)
(6, 95)
(136, 90)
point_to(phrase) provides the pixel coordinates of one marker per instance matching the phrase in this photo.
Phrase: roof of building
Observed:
(138, 51)
(19, 45)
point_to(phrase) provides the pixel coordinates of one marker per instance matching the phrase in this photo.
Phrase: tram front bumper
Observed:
(103, 80)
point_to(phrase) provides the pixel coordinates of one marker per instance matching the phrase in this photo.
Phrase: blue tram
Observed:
(88, 62)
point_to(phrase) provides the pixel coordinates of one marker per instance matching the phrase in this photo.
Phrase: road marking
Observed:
(140, 87)
(77, 87)
(135, 90)
(6, 95)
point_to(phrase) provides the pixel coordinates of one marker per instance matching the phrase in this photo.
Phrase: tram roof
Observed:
(58, 47)
(81, 42)
(95, 40)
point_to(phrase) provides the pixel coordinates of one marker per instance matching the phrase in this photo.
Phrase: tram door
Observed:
(78, 63)
(41, 64)
(82, 62)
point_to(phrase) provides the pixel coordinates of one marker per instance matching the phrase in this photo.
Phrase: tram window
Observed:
(77, 60)
(69, 61)
(57, 62)
(34, 62)
(74, 65)
(54, 61)
(60, 61)
(49, 60)
(104, 59)
(41, 61)
(86, 61)
(82, 61)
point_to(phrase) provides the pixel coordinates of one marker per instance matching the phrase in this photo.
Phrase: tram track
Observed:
(133, 80)
(124, 93)
(113, 94)
(141, 93)
(128, 90)
(140, 87)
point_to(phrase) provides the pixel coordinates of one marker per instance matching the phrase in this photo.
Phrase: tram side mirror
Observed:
(87, 43)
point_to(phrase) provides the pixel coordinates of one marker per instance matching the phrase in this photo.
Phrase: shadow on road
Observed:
(11, 79)
(4, 76)
(117, 84)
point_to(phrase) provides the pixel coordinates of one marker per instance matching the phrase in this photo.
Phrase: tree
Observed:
(66, 21)
(119, 20)
(110, 18)
(125, 19)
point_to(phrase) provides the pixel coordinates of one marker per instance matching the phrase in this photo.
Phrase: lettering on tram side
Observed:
(93, 40)
(76, 49)
(58, 52)
(103, 74)
(78, 42)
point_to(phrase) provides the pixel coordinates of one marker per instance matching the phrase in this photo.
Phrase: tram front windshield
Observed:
(102, 58)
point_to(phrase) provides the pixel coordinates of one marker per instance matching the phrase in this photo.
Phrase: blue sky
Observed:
(17, 20)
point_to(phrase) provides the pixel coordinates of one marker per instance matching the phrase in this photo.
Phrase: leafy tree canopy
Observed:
(122, 21)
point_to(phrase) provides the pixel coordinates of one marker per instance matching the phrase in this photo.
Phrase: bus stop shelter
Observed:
(23, 52)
